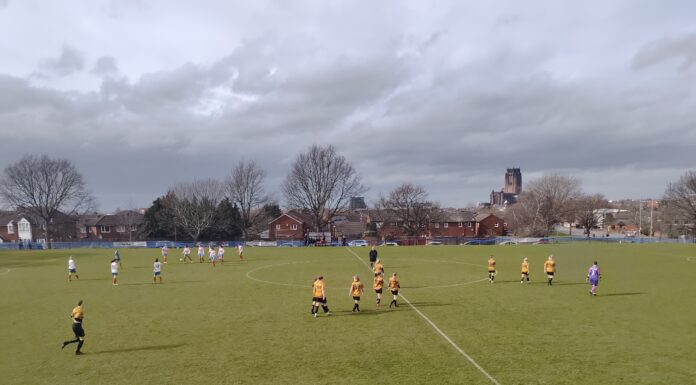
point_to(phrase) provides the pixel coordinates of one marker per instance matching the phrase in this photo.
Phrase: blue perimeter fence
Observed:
(432, 241)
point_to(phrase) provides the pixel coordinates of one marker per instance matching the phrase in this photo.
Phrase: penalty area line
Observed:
(7, 271)
(437, 329)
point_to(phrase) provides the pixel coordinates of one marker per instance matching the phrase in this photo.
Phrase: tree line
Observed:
(320, 182)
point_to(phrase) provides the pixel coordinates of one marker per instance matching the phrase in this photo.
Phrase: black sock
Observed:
(379, 300)
(326, 308)
(314, 309)
(79, 345)
(355, 307)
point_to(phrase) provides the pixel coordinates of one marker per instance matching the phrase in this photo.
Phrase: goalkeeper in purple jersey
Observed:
(593, 275)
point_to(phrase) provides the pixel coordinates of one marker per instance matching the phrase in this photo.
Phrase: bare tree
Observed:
(322, 182)
(194, 205)
(245, 188)
(409, 204)
(45, 187)
(585, 209)
(682, 195)
(545, 203)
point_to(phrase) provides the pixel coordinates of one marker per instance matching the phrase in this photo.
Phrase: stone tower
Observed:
(513, 181)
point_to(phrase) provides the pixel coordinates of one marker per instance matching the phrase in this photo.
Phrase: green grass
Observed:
(249, 323)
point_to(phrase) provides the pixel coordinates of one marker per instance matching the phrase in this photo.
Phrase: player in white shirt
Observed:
(211, 254)
(187, 254)
(240, 250)
(201, 253)
(221, 254)
(157, 268)
(114, 272)
(72, 269)
(165, 252)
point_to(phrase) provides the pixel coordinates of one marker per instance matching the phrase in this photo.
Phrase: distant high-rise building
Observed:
(513, 188)
(357, 203)
(513, 181)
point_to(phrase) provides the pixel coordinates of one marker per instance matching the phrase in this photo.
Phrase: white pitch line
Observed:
(437, 329)
(7, 271)
(271, 282)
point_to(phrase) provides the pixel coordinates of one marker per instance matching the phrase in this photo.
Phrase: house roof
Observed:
(458, 216)
(6, 217)
(121, 218)
(296, 216)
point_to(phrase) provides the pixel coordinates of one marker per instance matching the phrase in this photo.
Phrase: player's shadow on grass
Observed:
(618, 294)
(140, 348)
(151, 283)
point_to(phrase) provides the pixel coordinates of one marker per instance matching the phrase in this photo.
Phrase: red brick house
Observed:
(291, 226)
(458, 223)
(122, 226)
(17, 225)
(490, 225)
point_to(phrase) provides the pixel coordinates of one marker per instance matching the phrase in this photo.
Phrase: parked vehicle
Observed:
(358, 242)
(434, 243)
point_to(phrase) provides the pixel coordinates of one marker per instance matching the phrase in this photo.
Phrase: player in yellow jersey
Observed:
(377, 285)
(525, 270)
(356, 290)
(550, 268)
(394, 287)
(491, 269)
(77, 315)
(319, 297)
(379, 267)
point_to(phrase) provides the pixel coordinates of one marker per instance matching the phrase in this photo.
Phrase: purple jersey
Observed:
(593, 273)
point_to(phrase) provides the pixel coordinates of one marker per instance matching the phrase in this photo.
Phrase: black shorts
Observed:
(395, 292)
(356, 298)
(491, 271)
(317, 299)
(378, 291)
(550, 273)
(77, 329)
(523, 273)
(373, 260)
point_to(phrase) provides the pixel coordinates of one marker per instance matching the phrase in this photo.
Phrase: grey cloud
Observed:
(69, 61)
(417, 104)
(4, 3)
(105, 66)
(682, 48)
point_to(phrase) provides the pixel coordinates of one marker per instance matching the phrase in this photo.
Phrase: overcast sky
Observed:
(141, 95)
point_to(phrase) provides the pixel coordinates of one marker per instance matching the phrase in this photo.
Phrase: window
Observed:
(121, 229)
(105, 229)
(470, 225)
(277, 227)
(460, 224)
(83, 229)
(23, 226)
(437, 225)
(445, 225)
(134, 228)
(293, 226)
(10, 228)
(497, 224)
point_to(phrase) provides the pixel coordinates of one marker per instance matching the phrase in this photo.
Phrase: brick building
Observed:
(291, 226)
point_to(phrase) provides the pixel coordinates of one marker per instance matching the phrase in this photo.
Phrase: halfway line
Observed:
(437, 329)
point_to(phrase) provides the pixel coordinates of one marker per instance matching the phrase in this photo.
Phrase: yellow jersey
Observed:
(77, 313)
(318, 289)
(379, 268)
(393, 284)
(550, 266)
(357, 288)
(379, 282)
(491, 264)
(525, 267)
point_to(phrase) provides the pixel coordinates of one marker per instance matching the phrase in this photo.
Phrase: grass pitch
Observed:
(249, 322)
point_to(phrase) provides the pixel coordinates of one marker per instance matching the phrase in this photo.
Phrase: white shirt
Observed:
(71, 264)
(211, 252)
(241, 248)
(200, 250)
(221, 251)
(187, 250)
(114, 267)
(158, 267)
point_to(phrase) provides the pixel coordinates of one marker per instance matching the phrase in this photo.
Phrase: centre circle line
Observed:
(248, 274)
